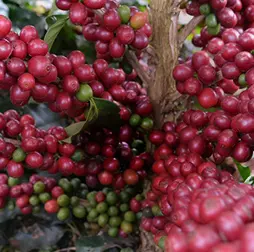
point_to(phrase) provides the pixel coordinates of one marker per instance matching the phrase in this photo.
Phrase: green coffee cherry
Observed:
(18, 155)
(79, 212)
(103, 220)
(211, 21)
(63, 200)
(147, 123)
(205, 9)
(85, 93)
(214, 30)
(63, 214)
(124, 13)
(39, 187)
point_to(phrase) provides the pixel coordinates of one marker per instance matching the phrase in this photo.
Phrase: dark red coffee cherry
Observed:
(5, 26)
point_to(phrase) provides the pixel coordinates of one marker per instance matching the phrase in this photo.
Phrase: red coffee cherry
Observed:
(5, 26)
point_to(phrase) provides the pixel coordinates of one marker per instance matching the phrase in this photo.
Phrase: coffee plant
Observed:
(154, 148)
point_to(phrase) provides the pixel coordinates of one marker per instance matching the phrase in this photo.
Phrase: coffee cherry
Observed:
(14, 169)
(51, 206)
(37, 47)
(140, 41)
(78, 13)
(22, 201)
(138, 20)
(95, 4)
(116, 49)
(124, 13)
(65, 166)
(26, 81)
(28, 33)
(130, 177)
(125, 34)
(105, 178)
(6, 49)
(34, 160)
(5, 26)
(84, 73)
(19, 49)
(51, 143)
(182, 72)
(208, 98)
(39, 66)
(76, 58)
(85, 93)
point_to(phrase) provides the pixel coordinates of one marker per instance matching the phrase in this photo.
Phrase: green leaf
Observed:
(90, 244)
(101, 113)
(243, 170)
(103, 242)
(38, 235)
(6, 214)
(75, 128)
(55, 28)
(108, 114)
(53, 9)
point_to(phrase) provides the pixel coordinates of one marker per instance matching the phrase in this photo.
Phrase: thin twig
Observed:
(12, 141)
(133, 60)
(74, 229)
(185, 32)
(66, 249)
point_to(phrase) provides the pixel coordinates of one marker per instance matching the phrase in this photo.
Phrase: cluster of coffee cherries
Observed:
(113, 29)
(194, 206)
(223, 66)
(114, 159)
(102, 156)
(213, 135)
(118, 212)
(67, 84)
(225, 13)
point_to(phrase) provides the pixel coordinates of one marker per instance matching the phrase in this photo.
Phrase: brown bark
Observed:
(162, 90)
(188, 29)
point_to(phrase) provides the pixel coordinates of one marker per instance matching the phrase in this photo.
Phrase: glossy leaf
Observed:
(101, 113)
(21, 17)
(102, 243)
(108, 114)
(55, 28)
(243, 170)
(38, 235)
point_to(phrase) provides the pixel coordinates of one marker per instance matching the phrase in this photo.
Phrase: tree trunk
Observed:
(165, 51)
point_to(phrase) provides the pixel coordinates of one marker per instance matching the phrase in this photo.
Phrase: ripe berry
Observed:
(78, 13)
(125, 34)
(6, 49)
(138, 20)
(111, 20)
(39, 66)
(5, 26)
(14, 169)
(22, 201)
(37, 47)
(76, 58)
(28, 33)
(208, 98)
(94, 4)
(65, 166)
(51, 206)
(105, 178)
(130, 177)
(34, 160)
